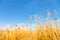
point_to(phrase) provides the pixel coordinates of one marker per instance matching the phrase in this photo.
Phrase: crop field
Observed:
(43, 31)
(47, 33)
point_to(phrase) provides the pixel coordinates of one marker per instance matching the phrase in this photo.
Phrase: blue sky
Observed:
(19, 11)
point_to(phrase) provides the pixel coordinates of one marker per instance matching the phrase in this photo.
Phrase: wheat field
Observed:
(43, 31)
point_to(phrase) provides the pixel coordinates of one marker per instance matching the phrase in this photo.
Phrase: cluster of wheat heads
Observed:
(43, 31)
